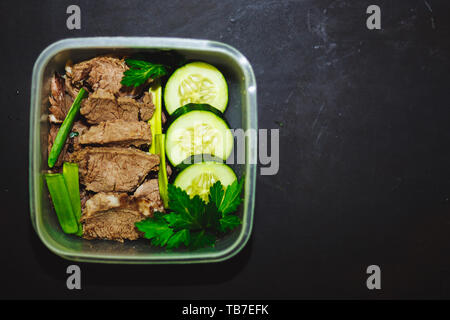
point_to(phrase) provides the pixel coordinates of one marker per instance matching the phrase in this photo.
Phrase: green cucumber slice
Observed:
(196, 82)
(198, 132)
(197, 158)
(199, 177)
(192, 107)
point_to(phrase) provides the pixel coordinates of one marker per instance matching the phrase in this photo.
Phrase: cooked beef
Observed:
(103, 106)
(60, 102)
(102, 73)
(115, 224)
(146, 106)
(150, 190)
(99, 73)
(112, 216)
(80, 128)
(70, 89)
(137, 109)
(118, 132)
(102, 201)
(107, 169)
(51, 138)
(84, 197)
(100, 106)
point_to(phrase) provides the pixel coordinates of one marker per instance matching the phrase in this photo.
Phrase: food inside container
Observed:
(120, 159)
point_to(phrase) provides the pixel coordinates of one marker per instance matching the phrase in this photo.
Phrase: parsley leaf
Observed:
(140, 71)
(226, 201)
(202, 239)
(190, 209)
(193, 222)
(178, 238)
(229, 222)
(155, 229)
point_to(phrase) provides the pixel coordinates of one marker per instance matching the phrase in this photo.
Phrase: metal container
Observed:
(241, 113)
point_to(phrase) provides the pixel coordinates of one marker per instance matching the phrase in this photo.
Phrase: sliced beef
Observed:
(140, 109)
(108, 169)
(60, 101)
(116, 224)
(118, 132)
(103, 106)
(112, 216)
(79, 128)
(84, 197)
(70, 89)
(146, 107)
(102, 73)
(100, 106)
(150, 190)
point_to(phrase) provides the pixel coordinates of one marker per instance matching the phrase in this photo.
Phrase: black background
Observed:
(364, 148)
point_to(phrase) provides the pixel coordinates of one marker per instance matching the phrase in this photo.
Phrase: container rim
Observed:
(162, 43)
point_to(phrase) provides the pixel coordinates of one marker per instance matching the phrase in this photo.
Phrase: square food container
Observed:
(241, 113)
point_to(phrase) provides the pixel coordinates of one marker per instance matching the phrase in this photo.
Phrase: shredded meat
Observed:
(103, 106)
(118, 132)
(108, 169)
(102, 73)
(112, 216)
(60, 101)
(99, 73)
(150, 190)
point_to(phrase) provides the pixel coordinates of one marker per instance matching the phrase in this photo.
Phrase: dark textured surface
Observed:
(364, 140)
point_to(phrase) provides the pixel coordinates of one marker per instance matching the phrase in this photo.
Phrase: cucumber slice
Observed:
(192, 107)
(198, 132)
(197, 158)
(199, 177)
(196, 82)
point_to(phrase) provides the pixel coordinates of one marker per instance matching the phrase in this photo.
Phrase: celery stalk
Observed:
(162, 173)
(61, 201)
(64, 131)
(155, 121)
(70, 174)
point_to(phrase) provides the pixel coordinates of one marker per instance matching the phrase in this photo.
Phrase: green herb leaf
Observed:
(202, 239)
(216, 193)
(181, 237)
(190, 209)
(192, 221)
(178, 220)
(140, 71)
(73, 134)
(229, 222)
(155, 229)
(138, 64)
(226, 201)
(211, 217)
